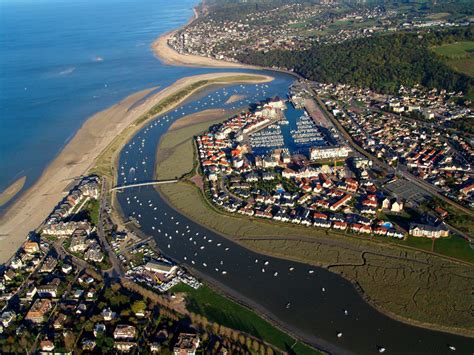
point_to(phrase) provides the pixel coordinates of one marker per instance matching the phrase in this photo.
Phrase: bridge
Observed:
(140, 184)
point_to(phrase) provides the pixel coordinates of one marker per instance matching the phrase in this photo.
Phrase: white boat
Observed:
(346, 312)
(226, 249)
(323, 289)
(292, 268)
(266, 263)
(339, 334)
(451, 347)
(219, 244)
(311, 271)
(263, 270)
(224, 272)
(275, 274)
(256, 261)
(381, 349)
(204, 264)
(202, 247)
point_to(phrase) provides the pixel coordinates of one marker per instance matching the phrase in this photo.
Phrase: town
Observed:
(80, 284)
(327, 184)
(225, 35)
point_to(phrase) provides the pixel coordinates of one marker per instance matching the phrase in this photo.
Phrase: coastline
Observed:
(169, 56)
(81, 153)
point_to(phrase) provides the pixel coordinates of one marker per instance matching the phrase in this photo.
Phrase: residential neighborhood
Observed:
(295, 26)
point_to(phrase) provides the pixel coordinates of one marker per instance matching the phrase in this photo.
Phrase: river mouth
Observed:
(322, 304)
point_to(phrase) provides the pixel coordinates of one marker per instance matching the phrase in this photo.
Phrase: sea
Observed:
(63, 61)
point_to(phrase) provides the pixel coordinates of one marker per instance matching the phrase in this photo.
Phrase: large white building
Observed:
(318, 153)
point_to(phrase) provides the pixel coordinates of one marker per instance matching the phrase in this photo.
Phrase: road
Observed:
(116, 270)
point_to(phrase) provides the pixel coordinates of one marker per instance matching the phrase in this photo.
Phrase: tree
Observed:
(138, 307)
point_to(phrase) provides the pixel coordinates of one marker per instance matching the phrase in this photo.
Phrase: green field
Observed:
(175, 151)
(219, 309)
(455, 247)
(458, 55)
(455, 50)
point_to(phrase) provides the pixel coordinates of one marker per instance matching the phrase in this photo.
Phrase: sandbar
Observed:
(10, 192)
(80, 155)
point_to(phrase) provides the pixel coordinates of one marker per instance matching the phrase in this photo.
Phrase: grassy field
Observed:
(459, 56)
(455, 247)
(408, 284)
(219, 309)
(455, 50)
(175, 154)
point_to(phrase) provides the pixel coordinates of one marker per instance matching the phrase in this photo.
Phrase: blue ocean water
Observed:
(62, 61)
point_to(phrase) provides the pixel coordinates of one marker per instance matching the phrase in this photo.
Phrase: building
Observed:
(50, 289)
(126, 332)
(427, 231)
(319, 153)
(38, 310)
(31, 247)
(187, 344)
(159, 267)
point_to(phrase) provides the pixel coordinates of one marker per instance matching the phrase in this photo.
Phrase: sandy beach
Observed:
(78, 156)
(169, 56)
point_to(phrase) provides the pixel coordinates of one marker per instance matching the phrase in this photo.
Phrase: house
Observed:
(442, 213)
(427, 231)
(124, 345)
(59, 321)
(107, 314)
(49, 265)
(47, 345)
(38, 310)
(125, 332)
(397, 206)
(88, 344)
(6, 318)
(50, 289)
(187, 344)
(31, 247)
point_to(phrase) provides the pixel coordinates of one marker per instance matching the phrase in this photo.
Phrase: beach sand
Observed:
(77, 157)
(10, 192)
(169, 56)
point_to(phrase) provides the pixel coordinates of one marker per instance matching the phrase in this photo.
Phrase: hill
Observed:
(382, 63)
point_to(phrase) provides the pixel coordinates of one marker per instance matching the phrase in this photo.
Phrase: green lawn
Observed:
(414, 242)
(92, 208)
(455, 247)
(459, 56)
(455, 50)
(219, 309)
